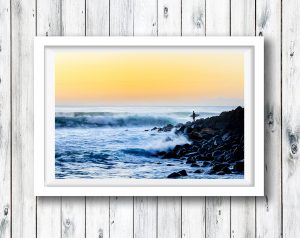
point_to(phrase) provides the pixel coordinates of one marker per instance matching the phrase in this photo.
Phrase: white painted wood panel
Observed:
(97, 208)
(73, 217)
(242, 208)
(23, 201)
(193, 208)
(218, 208)
(290, 117)
(97, 17)
(97, 217)
(48, 23)
(169, 208)
(73, 209)
(169, 217)
(121, 208)
(193, 217)
(145, 208)
(193, 17)
(121, 217)
(145, 17)
(5, 120)
(121, 17)
(145, 217)
(268, 208)
(169, 17)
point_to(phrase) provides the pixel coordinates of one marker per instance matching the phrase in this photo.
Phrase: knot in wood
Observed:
(166, 12)
(5, 210)
(294, 148)
(68, 222)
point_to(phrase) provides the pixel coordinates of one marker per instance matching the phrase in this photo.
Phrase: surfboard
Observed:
(196, 115)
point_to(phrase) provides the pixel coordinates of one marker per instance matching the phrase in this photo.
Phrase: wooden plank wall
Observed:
(274, 215)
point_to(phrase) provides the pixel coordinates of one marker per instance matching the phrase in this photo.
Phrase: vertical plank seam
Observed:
(205, 202)
(230, 196)
(11, 108)
(255, 200)
(281, 133)
(133, 198)
(36, 207)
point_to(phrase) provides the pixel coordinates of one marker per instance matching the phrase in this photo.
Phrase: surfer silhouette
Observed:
(194, 115)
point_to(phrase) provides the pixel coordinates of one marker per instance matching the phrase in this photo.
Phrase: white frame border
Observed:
(78, 188)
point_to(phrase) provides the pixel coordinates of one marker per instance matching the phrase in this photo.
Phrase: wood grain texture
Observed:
(23, 200)
(121, 17)
(145, 17)
(193, 208)
(169, 17)
(290, 117)
(145, 208)
(48, 23)
(242, 208)
(121, 217)
(97, 17)
(218, 208)
(73, 209)
(268, 208)
(121, 208)
(169, 208)
(5, 120)
(97, 208)
(73, 217)
(193, 17)
(145, 217)
(97, 217)
(193, 217)
(169, 217)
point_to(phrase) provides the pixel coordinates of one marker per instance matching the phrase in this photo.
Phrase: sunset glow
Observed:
(148, 77)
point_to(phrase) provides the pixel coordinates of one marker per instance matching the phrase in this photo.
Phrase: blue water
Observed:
(117, 142)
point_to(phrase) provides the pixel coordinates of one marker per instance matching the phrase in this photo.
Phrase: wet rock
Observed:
(166, 128)
(198, 171)
(191, 160)
(239, 166)
(174, 175)
(170, 164)
(195, 165)
(177, 174)
(169, 155)
(205, 164)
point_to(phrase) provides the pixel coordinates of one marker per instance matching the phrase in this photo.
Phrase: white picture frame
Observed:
(45, 183)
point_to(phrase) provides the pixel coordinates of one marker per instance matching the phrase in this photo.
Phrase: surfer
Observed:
(194, 115)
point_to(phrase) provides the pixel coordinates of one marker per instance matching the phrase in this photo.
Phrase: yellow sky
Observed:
(157, 77)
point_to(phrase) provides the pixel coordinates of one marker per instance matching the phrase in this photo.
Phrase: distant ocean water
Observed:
(117, 142)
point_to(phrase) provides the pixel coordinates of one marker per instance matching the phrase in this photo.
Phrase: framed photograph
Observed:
(148, 116)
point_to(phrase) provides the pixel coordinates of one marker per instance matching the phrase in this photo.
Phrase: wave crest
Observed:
(111, 121)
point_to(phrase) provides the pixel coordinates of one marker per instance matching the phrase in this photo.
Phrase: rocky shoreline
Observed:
(217, 143)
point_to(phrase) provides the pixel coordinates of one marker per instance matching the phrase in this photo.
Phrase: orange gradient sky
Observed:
(154, 77)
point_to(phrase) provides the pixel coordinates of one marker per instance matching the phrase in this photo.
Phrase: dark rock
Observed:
(161, 153)
(170, 154)
(191, 160)
(166, 128)
(204, 158)
(146, 130)
(195, 165)
(205, 164)
(238, 153)
(174, 175)
(226, 170)
(239, 166)
(170, 164)
(217, 167)
(220, 173)
(217, 153)
(183, 173)
(199, 171)
(154, 128)
(178, 174)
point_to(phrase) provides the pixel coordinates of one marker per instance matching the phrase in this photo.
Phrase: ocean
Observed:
(117, 142)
